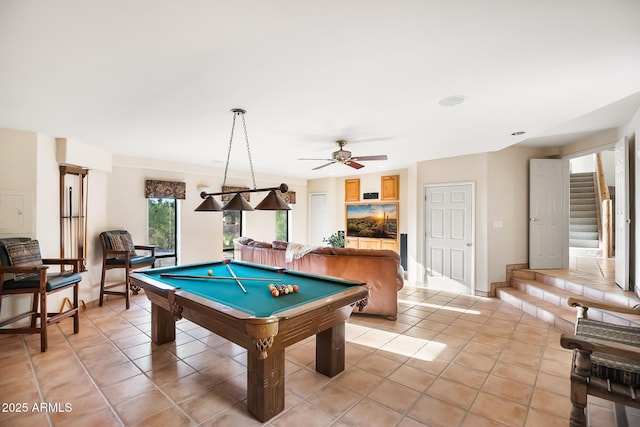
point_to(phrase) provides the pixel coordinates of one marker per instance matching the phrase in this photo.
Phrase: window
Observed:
(282, 225)
(162, 229)
(231, 228)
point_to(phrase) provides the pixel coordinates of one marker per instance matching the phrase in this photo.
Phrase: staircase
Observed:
(544, 296)
(583, 218)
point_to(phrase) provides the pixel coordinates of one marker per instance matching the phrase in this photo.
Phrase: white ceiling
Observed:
(158, 78)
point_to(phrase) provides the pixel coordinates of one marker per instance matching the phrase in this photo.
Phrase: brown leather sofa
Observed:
(380, 269)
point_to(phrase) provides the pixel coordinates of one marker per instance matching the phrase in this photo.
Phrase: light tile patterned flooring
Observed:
(449, 360)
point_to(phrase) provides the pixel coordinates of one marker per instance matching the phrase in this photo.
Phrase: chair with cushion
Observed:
(23, 271)
(606, 357)
(118, 251)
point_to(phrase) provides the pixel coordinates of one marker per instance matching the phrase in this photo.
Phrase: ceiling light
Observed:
(238, 203)
(452, 101)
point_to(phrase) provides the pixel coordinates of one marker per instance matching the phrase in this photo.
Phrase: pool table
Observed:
(244, 311)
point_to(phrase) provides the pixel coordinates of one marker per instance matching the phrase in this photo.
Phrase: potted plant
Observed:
(336, 240)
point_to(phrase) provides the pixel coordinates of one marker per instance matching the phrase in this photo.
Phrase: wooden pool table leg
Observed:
(265, 384)
(330, 349)
(163, 325)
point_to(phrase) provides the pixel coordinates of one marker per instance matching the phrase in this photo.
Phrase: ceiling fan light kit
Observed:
(238, 203)
(344, 157)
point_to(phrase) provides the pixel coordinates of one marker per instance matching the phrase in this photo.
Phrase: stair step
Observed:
(577, 190)
(545, 297)
(577, 243)
(583, 235)
(524, 274)
(581, 198)
(577, 175)
(584, 220)
(592, 228)
(583, 207)
(533, 306)
(582, 214)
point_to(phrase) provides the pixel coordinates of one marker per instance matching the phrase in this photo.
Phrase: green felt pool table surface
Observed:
(258, 300)
(256, 320)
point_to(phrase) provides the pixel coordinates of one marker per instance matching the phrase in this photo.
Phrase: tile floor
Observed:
(449, 360)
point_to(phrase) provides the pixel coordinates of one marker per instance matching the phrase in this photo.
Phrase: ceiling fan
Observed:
(344, 157)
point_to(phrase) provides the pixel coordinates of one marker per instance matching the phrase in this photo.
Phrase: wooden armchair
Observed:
(606, 359)
(23, 271)
(119, 252)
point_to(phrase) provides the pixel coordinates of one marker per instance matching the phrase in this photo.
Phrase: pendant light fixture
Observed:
(238, 203)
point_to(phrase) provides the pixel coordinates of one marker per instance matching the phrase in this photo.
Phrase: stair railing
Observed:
(604, 198)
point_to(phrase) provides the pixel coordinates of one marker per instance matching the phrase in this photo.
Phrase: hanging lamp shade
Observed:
(238, 203)
(209, 204)
(272, 202)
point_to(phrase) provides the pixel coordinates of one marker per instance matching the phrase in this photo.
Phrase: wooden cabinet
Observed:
(390, 186)
(352, 190)
(365, 243)
(370, 243)
(387, 244)
(351, 242)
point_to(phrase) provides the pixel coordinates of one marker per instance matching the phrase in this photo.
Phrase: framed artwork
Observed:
(375, 220)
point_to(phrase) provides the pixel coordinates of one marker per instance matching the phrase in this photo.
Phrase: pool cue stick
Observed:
(192, 276)
(70, 222)
(235, 277)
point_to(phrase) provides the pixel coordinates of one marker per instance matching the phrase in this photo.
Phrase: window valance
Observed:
(289, 197)
(155, 189)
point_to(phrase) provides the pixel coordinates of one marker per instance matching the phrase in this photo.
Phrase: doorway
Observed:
(449, 237)
(607, 172)
(318, 218)
(599, 214)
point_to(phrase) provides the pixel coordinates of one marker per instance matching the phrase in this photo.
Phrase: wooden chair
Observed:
(119, 252)
(606, 359)
(23, 271)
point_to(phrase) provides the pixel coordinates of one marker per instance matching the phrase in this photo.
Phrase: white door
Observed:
(622, 217)
(449, 237)
(548, 214)
(318, 215)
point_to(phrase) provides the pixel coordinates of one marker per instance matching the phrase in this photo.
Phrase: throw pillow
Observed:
(122, 242)
(24, 254)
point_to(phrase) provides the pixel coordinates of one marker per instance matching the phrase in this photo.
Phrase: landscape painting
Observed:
(376, 220)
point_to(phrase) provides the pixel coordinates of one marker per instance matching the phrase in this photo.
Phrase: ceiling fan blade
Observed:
(322, 166)
(361, 158)
(354, 165)
(328, 160)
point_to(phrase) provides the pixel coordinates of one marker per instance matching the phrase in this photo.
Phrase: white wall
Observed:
(201, 232)
(471, 168)
(328, 186)
(583, 164)
(507, 203)
(28, 164)
(18, 173)
(116, 200)
(371, 183)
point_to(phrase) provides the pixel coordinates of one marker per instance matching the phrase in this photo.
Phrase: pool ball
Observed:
(295, 288)
(210, 272)
(275, 293)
